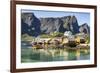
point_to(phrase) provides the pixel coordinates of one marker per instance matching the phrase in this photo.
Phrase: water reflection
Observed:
(52, 53)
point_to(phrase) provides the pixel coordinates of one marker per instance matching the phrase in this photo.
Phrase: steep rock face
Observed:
(84, 28)
(61, 24)
(49, 25)
(30, 24)
(70, 24)
(34, 26)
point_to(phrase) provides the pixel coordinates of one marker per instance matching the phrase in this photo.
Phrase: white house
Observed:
(68, 33)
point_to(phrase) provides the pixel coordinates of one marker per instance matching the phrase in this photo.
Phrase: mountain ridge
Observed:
(34, 26)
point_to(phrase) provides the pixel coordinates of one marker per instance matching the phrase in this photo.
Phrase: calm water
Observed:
(28, 54)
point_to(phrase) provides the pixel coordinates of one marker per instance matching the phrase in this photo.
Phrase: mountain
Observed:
(84, 28)
(34, 26)
(61, 24)
(30, 24)
(49, 25)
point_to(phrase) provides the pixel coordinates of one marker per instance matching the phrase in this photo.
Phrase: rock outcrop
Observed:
(84, 28)
(34, 26)
(30, 24)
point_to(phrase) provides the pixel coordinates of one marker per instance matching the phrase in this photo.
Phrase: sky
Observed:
(81, 16)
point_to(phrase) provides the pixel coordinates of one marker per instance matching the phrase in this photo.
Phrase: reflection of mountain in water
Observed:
(44, 55)
(33, 26)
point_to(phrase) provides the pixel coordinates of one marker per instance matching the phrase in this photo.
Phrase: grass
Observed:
(26, 37)
(88, 39)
